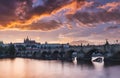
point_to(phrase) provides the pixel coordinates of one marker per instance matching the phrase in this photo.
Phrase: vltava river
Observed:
(28, 68)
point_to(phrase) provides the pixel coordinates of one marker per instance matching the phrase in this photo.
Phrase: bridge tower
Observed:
(107, 46)
(108, 49)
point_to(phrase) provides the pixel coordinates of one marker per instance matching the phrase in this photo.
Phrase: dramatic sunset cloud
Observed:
(28, 14)
(76, 20)
(19, 13)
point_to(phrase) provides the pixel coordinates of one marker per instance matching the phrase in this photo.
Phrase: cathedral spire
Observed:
(27, 39)
(107, 43)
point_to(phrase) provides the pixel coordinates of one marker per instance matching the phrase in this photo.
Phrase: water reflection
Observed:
(28, 68)
(98, 65)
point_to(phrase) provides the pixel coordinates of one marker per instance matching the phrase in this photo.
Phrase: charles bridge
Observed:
(108, 51)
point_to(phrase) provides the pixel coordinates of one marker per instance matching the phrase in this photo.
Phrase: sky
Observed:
(60, 21)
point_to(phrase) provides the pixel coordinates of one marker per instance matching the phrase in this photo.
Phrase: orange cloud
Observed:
(110, 6)
(30, 22)
(80, 12)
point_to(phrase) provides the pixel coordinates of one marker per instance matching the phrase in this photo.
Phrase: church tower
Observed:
(26, 40)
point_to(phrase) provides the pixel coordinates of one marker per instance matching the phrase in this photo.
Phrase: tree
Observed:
(11, 49)
(2, 49)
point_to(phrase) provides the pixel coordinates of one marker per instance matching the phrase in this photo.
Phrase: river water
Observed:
(29, 68)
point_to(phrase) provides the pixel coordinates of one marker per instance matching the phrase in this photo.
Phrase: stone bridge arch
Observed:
(69, 54)
(55, 54)
(89, 53)
(116, 55)
(44, 54)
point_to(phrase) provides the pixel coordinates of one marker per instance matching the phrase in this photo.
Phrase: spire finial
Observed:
(107, 43)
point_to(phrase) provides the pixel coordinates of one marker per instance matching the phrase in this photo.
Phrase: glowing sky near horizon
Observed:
(60, 21)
